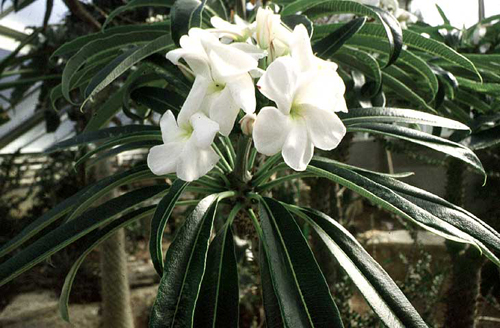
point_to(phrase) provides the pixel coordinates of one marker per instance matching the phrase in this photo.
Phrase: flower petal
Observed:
(325, 128)
(227, 61)
(322, 89)
(250, 49)
(163, 159)
(243, 93)
(204, 130)
(224, 111)
(279, 82)
(169, 129)
(270, 130)
(195, 162)
(193, 102)
(301, 48)
(298, 148)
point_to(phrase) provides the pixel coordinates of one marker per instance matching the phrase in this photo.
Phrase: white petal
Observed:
(325, 128)
(204, 130)
(301, 48)
(169, 129)
(279, 82)
(243, 93)
(324, 90)
(227, 61)
(250, 49)
(195, 162)
(163, 159)
(256, 73)
(193, 101)
(270, 130)
(298, 149)
(224, 111)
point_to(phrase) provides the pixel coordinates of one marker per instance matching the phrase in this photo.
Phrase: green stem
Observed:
(269, 162)
(207, 183)
(280, 180)
(225, 164)
(204, 190)
(266, 175)
(251, 159)
(229, 149)
(243, 151)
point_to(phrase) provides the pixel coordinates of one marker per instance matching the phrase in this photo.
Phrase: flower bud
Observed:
(247, 123)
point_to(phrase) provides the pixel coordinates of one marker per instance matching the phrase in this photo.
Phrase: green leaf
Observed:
(363, 62)
(472, 100)
(122, 63)
(184, 15)
(78, 43)
(159, 222)
(184, 269)
(48, 11)
(443, 15)
(104, 186)
(293, 20)
(397, 115)
(330, 44)
(299, 285)
(315, 9)
(393, 202)
(158, 99)
(95, 239)
(488, 88)
(42, 222)
(371, 32)
(402, 90)
(101, 135)
(376, 286)
(123, 148)
(421, 138)
(218, 301)
(137, 4)
(70, 231)
(28, 81)
(6, 61)
(484, 139)
(454, 215)
(269, 300)
(96, 47)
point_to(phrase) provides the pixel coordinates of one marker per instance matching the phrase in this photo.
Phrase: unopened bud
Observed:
(247, 123)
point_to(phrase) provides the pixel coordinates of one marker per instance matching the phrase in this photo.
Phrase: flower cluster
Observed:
(224, 61)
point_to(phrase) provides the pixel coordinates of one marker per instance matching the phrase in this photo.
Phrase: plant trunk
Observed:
(462, 295)
(116, 308)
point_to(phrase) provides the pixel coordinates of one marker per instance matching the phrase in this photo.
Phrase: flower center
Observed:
(187, 131)
(296, 111)
(215, 87)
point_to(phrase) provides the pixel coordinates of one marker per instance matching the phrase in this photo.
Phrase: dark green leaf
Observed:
(218, 302)
(70, 231)
(137, 4)
(184, 269)
(96, 238)
(397, 115)
(377, 287)
(101, 135)
(122, 63)
(427, 140)
(293, 20)
(184, 15)
(299, 285)
(159, 222)
(335, 40)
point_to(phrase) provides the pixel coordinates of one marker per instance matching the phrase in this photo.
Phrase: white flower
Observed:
(222, 83)
(305, 115)
(271, 34)
(241, 31)
(186, 148)
(301, 50)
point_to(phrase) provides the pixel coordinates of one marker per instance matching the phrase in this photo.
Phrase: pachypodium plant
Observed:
(245, 104)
